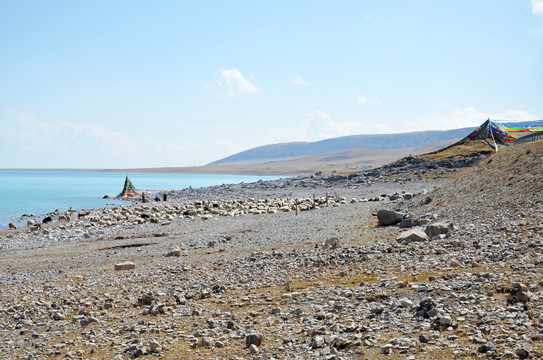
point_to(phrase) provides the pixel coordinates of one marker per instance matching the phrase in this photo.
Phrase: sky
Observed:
(124, 84)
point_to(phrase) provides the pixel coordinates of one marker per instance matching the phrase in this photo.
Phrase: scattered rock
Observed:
(207, 341)
(407, 223)
(175, 252)
(254, 339)
(426, 309)
(57, 315)
(411, 236)
(445, 320)
(522, 353)
(317, 342)
(439, 228)
(518, 293)
(126, 265)
(354, 302)
(488, 347)
(424, 339)
(386, 349)
(154, 346)
(331, 244)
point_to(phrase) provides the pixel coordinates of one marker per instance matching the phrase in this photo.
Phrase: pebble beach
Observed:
(405, 262)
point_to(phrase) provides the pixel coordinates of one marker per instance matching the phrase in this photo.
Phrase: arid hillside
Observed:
(344, 161)
(510, 179)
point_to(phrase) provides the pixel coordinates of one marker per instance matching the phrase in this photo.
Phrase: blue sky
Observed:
(116, 84)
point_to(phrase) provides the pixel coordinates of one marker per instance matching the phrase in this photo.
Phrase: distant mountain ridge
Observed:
(294, 150)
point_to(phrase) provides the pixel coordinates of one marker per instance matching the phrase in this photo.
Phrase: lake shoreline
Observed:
(39, 193)
(302, 267)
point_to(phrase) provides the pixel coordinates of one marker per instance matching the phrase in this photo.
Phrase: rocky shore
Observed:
(398, 263)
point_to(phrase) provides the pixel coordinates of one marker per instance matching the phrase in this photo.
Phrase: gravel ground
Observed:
(262, 271)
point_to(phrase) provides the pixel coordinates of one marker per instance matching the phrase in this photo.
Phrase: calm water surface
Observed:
(29, 192)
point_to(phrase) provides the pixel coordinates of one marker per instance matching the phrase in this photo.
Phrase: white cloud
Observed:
(318, 126)
(233, 84)
(515, 115)
(366, 100)
(62, 144)
(297, 80)
(454, 118)
(537, 7)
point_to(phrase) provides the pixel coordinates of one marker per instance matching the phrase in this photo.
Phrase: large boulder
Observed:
(438, 229)
(389, 217)
(412, 235)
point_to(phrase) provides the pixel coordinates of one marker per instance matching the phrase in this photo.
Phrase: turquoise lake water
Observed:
(37, 193)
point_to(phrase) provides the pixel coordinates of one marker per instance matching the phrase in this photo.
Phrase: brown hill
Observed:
(507, 182)
(467, 149)
(345, 161)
